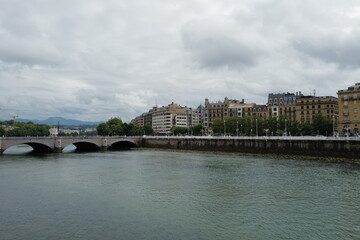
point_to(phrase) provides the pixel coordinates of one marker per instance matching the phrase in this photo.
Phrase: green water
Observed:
(175, 195)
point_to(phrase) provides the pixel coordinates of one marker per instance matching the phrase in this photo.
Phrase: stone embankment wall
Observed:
(329, 147)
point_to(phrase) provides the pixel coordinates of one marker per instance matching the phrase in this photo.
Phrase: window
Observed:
(345, 103)
(356, 117)
(355, 96)
(345, 97)
(355, 110)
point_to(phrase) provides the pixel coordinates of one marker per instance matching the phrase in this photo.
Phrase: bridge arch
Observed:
(85, 146)
(36, 146)
(122, 145)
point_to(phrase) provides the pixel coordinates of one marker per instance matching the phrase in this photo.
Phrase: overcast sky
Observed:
(96, 59)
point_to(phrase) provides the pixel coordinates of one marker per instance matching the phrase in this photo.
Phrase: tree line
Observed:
(255, 126)
(116, 127)
(18, 129)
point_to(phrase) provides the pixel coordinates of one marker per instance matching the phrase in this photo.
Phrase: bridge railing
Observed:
(310, 138)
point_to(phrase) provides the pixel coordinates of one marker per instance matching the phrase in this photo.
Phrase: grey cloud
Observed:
(214, 50)
(332, 49)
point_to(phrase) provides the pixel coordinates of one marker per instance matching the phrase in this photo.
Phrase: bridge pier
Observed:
(104, 145)
(58, 150)
(1, 151)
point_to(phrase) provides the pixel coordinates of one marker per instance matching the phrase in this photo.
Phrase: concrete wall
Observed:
(315, 147)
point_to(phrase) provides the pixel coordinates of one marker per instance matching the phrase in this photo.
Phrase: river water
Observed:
(143, 194)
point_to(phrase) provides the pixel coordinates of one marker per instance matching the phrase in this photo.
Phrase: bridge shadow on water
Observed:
(122, 145)
(83, 147)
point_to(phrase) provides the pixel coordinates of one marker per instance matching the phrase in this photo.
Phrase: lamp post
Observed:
(334, 124)
(224, 128)
(237, 128)
(286, 127)
(256, 124)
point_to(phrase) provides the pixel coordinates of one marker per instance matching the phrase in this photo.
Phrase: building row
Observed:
(342, 110)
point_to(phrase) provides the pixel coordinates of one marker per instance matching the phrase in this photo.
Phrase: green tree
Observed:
(218, 126)
(196, 130)
(306, 129)
(115, 126)
(179, 130)
(148, 130)
(322, 125)
(103, 129)
(2, 132)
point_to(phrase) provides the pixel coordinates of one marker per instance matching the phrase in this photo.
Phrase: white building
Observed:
(168, 117)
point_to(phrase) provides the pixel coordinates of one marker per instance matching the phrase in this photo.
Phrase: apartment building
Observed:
(139, 121)
(214, 110)
(195, 116)
(283, 104)
(166, 117)
(349, 107)
(308, 106)
(259, 111)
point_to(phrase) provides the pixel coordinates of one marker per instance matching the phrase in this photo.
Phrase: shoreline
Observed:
(263, 155)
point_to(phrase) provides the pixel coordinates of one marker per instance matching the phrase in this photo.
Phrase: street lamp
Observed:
(237, 128)
(286, 127)
(224, 128)
(256, 123)
(334, 123)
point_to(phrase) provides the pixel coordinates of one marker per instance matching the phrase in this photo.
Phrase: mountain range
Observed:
(53, 121)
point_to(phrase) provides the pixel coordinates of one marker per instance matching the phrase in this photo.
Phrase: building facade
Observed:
(220, 110)
(308, 106)
(283, 99)
(349, 107)
(167, 117)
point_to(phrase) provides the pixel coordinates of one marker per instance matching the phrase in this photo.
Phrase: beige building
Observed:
(260, 111)
(139, 121)
(173, 115)
(221, 110)
(308, 106)
(288, 111)
(349, 107)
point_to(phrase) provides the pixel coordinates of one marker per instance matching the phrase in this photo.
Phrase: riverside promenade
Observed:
(319, 146)
(346, 147)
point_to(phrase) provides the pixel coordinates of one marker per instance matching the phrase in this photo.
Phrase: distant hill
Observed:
(53, 121)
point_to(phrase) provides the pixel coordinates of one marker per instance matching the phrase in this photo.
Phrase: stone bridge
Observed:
(57, 144)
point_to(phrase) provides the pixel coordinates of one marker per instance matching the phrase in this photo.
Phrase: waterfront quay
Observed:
(345, 147)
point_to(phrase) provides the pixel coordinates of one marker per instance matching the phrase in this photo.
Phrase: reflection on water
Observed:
(173, 195)
(19, 149)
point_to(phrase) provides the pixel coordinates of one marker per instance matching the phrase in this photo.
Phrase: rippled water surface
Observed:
(175, 195)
